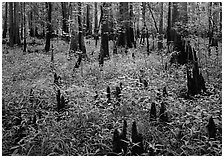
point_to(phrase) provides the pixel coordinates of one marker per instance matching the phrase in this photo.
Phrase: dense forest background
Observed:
(111, 78)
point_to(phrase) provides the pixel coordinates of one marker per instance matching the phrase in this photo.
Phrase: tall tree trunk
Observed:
(95, 17)
(80, 37)
(16, 23)
(132, 35)
(160, 43)
(104, 48)
(175, 13)
(48, 36)
(210, 23)
(220, 19)
(88, 24)
(104, 31)
(5, 21)
(143, 34)
(64, 6)
(22, 20)
(169, 23)
(31, 24)
(184, 12)
(153, 18)
(11, 25)
(124, 39)
(215, 16)
(24, 24)
(36, 12)
(96, 24)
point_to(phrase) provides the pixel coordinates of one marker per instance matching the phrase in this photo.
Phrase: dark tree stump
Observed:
(96, 95)
(120, 141)
(62, 102)
(56, 79)
(211, 128)
(123, 138)
(145, 83)
(108, 94)
(153, 112)
(39, 115)
(202, 82)
(31, 99)
(137, 140)
(18, 118)
(58, 95)
(77, 64)
(116, 142)
(165, 94)
(163, 117)
(118, 93)
(195, 83)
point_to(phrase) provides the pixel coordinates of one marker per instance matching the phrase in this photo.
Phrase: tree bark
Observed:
(80, 37)
(96, 24)
(210, 24)
(124, 38)
(88, 24)
(11, 25)
(35, 14)
(22, 20)
(155, 24)
(5, 21)
(175, 13)
(104, 31)
(169, 24)
(220, 19)
(48, 36)
(144, 32)
(64, 6)
(31, 24)
(160, 43)
(16, 24)
(184, 12)
(24, 24)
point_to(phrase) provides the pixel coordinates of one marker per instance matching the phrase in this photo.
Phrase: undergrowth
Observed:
(86, 126)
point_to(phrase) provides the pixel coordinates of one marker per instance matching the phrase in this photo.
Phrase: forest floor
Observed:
(87, 124)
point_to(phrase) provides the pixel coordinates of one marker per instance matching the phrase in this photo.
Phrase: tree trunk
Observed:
(153, 18)
(184, 12)
(64, 6)
(132, 35)
(210, 21)
(169, 23)
(16, 24)
(215, 17)
(80, 37)
(124, 37)
(11, 25)
(96, 24)
(24, 24)
(144, 32)
(160, 43)
(175, 13)
(220, 19)
(36, 12)
(48, 36)
(88, 24)
(22, 20)
(95, 18)
(104, 31)
(5, 21)
(31, 24)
